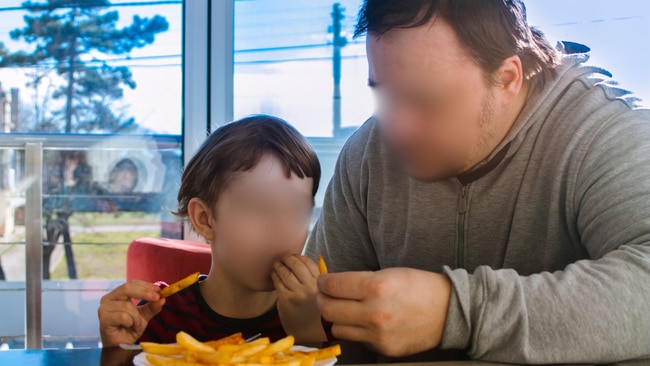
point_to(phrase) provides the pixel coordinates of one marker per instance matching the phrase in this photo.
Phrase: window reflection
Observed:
(98, 84)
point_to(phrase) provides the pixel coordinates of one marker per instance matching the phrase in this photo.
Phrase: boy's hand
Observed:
(294, 277)
(121, 321)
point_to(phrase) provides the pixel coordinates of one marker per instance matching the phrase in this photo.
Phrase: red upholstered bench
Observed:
(168, 260)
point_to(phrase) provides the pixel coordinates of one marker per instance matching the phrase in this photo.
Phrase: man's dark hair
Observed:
(238, 147)
(489, 30)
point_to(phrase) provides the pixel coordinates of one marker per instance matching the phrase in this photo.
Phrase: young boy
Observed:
(249, 191)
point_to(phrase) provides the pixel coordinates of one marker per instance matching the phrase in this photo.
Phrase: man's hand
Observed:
(294, 278)
(120, 321)
(396, 311)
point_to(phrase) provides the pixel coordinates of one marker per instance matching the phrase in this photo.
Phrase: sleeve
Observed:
(341, 233)
(593, 311)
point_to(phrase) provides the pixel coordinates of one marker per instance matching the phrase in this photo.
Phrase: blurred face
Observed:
(261, 216)
(434, 107)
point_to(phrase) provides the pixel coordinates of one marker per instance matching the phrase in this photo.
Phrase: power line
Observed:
(178, 55)
(592, 21)
(327, 58)
(251, 62)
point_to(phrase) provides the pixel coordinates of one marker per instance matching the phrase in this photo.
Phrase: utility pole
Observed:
(338, 42)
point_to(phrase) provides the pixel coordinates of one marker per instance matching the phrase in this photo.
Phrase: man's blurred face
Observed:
(434, 107)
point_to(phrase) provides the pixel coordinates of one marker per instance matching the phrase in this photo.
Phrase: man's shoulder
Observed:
(585, 104)
(364, 141)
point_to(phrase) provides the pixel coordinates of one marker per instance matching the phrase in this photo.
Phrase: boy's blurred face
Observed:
(260, 216)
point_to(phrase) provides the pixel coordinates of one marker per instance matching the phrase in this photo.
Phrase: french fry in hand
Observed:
(233, 351)
(179, 285)
(322, 267)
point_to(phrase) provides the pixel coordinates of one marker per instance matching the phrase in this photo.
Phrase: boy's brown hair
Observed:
(238, 147)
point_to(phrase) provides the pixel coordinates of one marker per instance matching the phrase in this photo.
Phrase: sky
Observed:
(272, 76)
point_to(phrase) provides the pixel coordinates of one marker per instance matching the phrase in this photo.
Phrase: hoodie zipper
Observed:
(462, 212)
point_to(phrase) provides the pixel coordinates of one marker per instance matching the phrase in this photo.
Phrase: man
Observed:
(499, 200)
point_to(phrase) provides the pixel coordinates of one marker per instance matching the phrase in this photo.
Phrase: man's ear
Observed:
(510, 78)
(201, 217)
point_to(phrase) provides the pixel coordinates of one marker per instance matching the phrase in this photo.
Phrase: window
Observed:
(297, 60)
(615, 32)
(90, 156)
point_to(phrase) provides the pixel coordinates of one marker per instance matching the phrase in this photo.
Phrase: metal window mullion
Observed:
(196, 109)
(196, 113)
(207, 72)
(34, 246)
(222, 38)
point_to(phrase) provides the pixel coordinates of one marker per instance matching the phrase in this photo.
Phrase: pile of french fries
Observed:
(233, 350)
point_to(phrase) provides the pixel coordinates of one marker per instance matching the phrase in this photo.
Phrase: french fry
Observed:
(220, 358)
(287, 361)
(233, 348)
(192, 344)
(233, 351)
(322, 267)
(305, 359)
(320, 354)
(157, 360)
(325, 353)
(281, 345)
(161, 349)
(240, 355)
(234, 339)
(260, 360)
(179, 285)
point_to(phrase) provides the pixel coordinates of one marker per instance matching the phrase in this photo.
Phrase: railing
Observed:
(153, 162)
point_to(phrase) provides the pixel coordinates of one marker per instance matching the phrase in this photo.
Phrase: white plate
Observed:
(141, 358)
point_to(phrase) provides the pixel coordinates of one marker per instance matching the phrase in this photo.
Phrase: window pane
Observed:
(12, 244)
(106, 106)
(616, 32)
(284, 64)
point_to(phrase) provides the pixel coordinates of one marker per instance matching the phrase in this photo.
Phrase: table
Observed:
(353, 353)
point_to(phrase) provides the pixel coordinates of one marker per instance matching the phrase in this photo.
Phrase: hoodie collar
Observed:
(537, 106)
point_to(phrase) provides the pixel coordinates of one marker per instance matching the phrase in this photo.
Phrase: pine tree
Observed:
(68, 35)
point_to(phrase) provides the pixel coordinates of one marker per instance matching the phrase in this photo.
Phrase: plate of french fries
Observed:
(234, 350)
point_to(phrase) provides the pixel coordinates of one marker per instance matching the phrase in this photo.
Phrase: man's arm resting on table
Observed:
(594, 311)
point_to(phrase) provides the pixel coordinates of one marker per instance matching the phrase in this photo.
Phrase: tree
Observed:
(67, 36)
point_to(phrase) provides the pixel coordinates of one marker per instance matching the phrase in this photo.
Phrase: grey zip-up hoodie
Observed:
(547, 244)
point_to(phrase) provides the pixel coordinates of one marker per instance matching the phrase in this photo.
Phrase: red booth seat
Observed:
(168, 260)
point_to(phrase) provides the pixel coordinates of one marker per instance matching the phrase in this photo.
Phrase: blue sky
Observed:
(615, 30)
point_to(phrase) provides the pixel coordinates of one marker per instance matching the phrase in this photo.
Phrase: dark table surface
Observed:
(352, 353)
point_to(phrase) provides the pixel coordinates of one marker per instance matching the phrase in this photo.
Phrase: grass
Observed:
(106, 260)
(118, 218)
